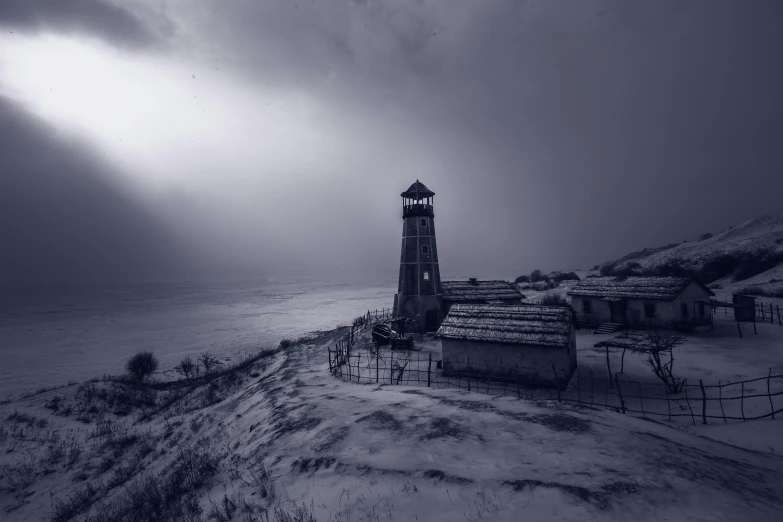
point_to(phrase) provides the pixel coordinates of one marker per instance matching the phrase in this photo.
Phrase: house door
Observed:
(617, 311)
(431, 320)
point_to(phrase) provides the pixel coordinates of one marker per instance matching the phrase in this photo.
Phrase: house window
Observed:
(649, 310)
(700, 307)
(425, 249)
(587, 306)
(426, 276)
(684, 308)
(423, 222)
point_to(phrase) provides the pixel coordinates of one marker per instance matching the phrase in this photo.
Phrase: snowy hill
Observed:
(283, 440)
(753, 249)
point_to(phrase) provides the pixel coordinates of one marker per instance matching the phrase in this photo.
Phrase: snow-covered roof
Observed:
(472, 291)
(654, 288)
(515, 324)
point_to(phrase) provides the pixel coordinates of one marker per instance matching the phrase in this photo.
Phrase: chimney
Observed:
(473, 281)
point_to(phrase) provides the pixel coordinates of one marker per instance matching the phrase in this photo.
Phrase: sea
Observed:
(53, 335)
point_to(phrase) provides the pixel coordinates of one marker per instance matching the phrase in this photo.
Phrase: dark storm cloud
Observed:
(556, 134)
(107, 21)
(64, 221)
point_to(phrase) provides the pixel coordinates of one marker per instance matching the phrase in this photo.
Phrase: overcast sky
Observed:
(167, 140)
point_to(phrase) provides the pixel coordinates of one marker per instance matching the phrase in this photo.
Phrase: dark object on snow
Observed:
(382, 333)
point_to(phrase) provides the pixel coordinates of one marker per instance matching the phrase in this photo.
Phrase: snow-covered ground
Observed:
(369, 452)
(50, 336)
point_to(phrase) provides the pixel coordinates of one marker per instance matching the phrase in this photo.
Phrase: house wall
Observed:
(693, 293)
(501, 359)
(601, 312)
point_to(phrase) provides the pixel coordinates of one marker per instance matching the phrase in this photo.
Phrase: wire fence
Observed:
(733, 401)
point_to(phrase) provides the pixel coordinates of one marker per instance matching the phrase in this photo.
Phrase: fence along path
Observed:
(736, 401)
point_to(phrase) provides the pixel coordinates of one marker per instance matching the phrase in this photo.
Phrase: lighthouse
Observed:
(419, 295)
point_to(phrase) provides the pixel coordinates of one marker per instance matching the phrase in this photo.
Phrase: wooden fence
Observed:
(736, 401)
(768, 313)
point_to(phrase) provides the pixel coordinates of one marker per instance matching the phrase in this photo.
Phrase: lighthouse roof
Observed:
(417, 191)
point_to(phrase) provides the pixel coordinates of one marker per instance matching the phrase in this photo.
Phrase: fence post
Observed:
(330, 358)
(688, 402)
(771, 316)
(777, 307)
(359, 368)
(429, 370)
(609, 368)
(742, 399)
(377, 363)
(720, 401)
(769, 394)
(391, 367)
(620, 394)
(557, 382)
(703, 403)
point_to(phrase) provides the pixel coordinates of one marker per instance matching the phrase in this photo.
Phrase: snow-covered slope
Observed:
(293, 439)
(740, 252)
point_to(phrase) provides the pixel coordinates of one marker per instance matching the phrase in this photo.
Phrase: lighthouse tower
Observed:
(419, 294)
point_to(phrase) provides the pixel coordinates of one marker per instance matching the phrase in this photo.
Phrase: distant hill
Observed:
(751, 252)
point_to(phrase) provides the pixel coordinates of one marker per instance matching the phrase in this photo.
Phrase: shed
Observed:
(513, 342)
(646, 302)
(474, 291)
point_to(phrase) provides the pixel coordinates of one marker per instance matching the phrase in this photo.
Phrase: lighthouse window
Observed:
(426, 276)
(425, 249)
(423, 222)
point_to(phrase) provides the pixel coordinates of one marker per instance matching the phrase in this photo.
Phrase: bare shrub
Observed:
(655, 345)
(284, 344)
(79, 502)
(209, 362)
(19, 476)
(295, 512)
(187, 368)
(142, 365)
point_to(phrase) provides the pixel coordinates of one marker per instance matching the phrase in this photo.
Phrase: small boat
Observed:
(382, 333)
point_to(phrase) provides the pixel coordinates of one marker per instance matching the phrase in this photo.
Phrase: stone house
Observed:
(531, 343)
(642, 302)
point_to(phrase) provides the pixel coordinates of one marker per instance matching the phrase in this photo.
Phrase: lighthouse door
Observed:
(431, 320)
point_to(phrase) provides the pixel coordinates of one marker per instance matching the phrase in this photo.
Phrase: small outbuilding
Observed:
(510, 342)
(474, 291)
(642, 302)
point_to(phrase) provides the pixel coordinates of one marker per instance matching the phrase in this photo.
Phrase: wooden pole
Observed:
(620, 394)
(703, 403)
(771, 317)
(429, 370)
(720, 401)
(688, 402)
(668, 401)
(609, 367)
(391, 367)
(377, 364)
(769, 394)
(330, 358)
(641, 400)
(622, 364)
(777, 307)
(742, 399)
